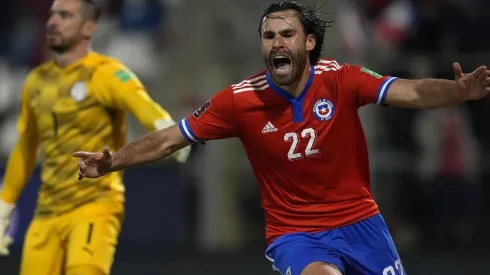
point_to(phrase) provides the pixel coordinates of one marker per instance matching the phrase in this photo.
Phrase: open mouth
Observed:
(281, 62)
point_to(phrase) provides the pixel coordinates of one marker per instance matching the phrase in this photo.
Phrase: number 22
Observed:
(292, 137)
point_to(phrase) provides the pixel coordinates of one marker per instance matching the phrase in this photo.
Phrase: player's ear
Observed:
(89, 28)
(310, 42)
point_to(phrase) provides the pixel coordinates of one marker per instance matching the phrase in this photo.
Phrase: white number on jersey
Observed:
(390, 270)
(292, 137)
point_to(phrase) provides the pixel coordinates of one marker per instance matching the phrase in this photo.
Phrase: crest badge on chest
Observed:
(79, 91)
(323, 109)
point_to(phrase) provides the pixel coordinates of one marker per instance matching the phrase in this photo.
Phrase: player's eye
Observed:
(65, 14)
(287, 34)
(268, 35)
(52, 13)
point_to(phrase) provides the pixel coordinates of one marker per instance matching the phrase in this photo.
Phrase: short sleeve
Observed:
(215, 119)
(365, 86)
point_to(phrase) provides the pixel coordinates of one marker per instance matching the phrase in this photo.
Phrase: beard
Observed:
(59, 44)
(284, 66)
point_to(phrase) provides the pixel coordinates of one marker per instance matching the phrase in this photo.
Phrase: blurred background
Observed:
(429, 168)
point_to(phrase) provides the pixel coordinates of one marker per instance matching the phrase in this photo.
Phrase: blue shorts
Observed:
(365, 247)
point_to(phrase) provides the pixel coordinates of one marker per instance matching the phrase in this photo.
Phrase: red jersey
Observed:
(309, 152)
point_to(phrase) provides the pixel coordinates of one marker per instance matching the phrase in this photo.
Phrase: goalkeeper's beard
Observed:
(63, 46)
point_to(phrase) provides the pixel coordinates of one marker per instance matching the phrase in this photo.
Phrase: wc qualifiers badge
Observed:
(79, 91)
(323, 109)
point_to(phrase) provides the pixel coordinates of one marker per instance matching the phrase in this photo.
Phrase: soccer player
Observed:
(77, 101)
(299, 124)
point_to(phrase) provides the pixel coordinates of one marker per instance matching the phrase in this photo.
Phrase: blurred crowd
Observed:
(429, 167)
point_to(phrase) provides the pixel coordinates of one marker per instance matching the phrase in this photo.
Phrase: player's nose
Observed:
(51, 27)
(52, 23)
(278, 42)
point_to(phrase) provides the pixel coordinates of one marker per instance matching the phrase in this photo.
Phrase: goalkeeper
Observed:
(77, 101)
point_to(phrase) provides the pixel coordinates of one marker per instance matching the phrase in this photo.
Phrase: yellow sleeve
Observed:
(119, 88)
(23, 158)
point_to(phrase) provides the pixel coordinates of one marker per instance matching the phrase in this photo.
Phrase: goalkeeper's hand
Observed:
(5, 240)
(181, 155)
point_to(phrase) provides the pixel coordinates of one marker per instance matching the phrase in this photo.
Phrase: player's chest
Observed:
(293, 131)
(66, 101)
(61, 93)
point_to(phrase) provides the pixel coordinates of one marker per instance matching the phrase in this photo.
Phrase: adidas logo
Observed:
(269, 128)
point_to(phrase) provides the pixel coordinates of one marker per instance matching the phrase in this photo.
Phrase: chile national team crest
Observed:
(323, 109)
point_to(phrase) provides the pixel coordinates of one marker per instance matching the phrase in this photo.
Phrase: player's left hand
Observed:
(181, 155)
(475, 85)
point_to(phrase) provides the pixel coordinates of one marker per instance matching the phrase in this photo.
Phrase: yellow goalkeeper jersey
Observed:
(64, 110)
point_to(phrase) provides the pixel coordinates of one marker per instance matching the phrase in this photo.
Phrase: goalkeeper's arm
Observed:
(19, 168)
(21, 162)
(151, 115)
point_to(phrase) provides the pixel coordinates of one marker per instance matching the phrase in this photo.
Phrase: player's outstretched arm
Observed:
(123, 90)
(149, 148)
(151, 115)
(434, 93)
(213, 120)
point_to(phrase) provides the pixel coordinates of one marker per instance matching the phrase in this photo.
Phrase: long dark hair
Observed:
(310, 17)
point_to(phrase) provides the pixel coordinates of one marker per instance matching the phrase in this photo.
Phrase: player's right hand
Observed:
(93, 165)
(5, 240)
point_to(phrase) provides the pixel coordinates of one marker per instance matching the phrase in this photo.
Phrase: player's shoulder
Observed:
(254, 83)
(39, 72)
(46, 65)
(111, 68)
(331, 71)
(42, 68)
(329, 67)
(105, 63)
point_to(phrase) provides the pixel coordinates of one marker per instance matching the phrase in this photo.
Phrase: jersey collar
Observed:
(285, 94)
(296, 102)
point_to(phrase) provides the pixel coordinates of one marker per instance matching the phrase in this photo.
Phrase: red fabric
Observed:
(314, 173)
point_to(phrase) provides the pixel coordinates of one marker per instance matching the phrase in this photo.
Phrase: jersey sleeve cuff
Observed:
(383, 90)
(187, 132)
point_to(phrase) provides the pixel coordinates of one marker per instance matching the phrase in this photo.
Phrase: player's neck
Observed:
(66, 59)
(297, 87)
